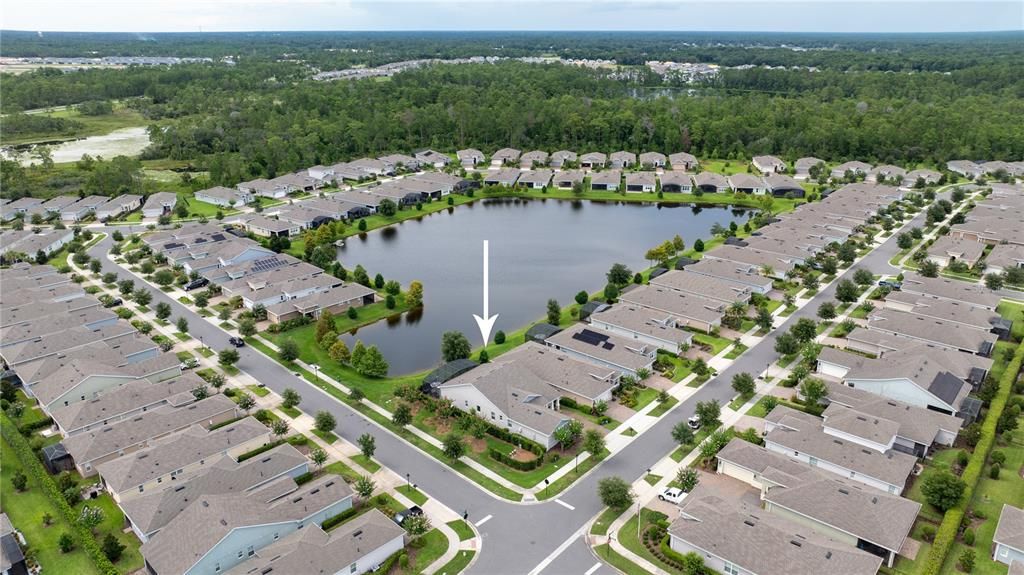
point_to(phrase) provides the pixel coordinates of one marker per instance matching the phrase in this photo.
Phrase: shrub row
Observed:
(506, 435)
(28, 460)
(340, 518)
(515, 463)
(946, 534)
(288, 325)
(29, 428)
(259, 450)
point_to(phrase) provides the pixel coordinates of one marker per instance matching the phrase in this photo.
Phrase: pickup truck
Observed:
(673, 495)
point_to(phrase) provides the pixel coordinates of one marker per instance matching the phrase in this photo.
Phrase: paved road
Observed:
(516, 538)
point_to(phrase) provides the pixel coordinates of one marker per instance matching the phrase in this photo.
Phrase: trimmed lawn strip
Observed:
(366, 463)
(413, 494)
(462, 529)
(663, 407)
(460, 562)
(292, 412)
(611, 557)
(566, 480)
(259, 390)
(327, 436)
(604, 521)
(431, 547)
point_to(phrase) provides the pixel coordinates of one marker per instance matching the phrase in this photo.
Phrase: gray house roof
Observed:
(941, 332)
(603, 346)
(126, 398)
(1010, 531)
(915, 423)
(506, 155)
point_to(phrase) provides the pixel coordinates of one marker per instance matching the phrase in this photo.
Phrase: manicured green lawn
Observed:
(412, 494)
(622, 564)
(717, 343)
(941, 459)
(760, 408)
(339, 468)
(366, 463)
(644, 396)
(260, 391)
(291, 412)
(663, 407)
(1013, 311)
(460, 562)
(566, 480)
(604, 521)
(629, 539)
(434, 544)
(326, 436)
(462, 529)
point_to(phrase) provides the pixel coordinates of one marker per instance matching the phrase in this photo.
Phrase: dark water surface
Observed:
(539, 249)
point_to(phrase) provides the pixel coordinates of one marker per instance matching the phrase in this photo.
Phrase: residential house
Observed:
(1008, 541)
(12, 558)
(359, 198)
(505, 156)
(82, 209)
(865, 518)
(266, 188)
(562, 157)
(75, 378)
(216, 533)
(118, 206)
(861, 453)
(19, 207)
(593, 160)
(536, 179)
(626, 356)
(744, 275)
(29, 243)
(224, 197)
(886, 172)
(946, 250)
(781, 185)
(941, 333)
(687, 310)
(357, 546)
(640, 182)
(432, 158)
(951, 290)
(856, 168)
(54, 344)
(646, 326)
(621, 159)
(398, 192)
(965, 168)
(802, 167)
(438, 184)
(93, 448)
(770, 264)
(990, 229)
(306, 218)
(400, 162)
(92, 318)
(179, 457)
(959, 313)
(606, 181)
(676, 182)
(335, 299)
(710, 287)
(566, 179)
(532, 159)
(150, 512)
(505, 177)
(54, 206)
(768, 165)
(159, 204)
(1004, 257)
(747, 184)
(683, 161)
(303, 182)
(372, 167)
(470, 157)
(711, 183)
(920, 178)
(270, 227)
(653, 160)
(732, 534)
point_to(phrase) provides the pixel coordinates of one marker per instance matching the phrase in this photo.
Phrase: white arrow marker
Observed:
(486, 322)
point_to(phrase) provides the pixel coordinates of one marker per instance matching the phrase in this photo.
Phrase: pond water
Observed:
(122, 142)
(539, 249)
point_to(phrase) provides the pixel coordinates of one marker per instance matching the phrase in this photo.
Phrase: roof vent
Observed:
(796, 543)
(748, 522)
(844, 492)
(828, 555)
(357, 533)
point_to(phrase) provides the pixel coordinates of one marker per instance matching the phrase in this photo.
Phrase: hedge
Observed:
(507, 436)
(259, 450)
(340, 518)
(515, 463)
(26, 456)
(946, 534)
(29, 428)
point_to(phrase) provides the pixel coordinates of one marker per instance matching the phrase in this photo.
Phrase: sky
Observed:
(362, 15)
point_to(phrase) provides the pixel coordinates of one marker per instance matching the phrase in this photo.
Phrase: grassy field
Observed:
(604, 521)
(90, 126)
(460, 562)
(462, 529)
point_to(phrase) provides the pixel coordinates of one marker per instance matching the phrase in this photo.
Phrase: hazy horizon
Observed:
(270, 16)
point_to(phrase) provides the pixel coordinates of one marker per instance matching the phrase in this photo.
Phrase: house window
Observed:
(812, 460)
(216, 568)
(251, 551)
(239, 554)
(141, 487)
(478, 409)
(892, 489)
(730, 569)
(275, 536)
(353, 568)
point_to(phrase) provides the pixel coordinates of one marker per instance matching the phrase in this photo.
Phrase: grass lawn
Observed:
(653, 479)
(412, 494)
(1015, 312)
(206, 352)
(430, 548)
(760, 409)
(366, 463)
(739, 401)
(663, 407)
(604, 521)
(292, 412)
(585, 414)
(717, 343)
(460, 562)
(736, 350)
(327, 436)
(941, 459)
(122, 117)
(644, 396)
(26, 510)
(629, 539)
(462, 529)
(260, 391)
(617, 561)
(339, 468)
(566, 480)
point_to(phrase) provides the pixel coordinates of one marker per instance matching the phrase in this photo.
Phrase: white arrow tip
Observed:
(485, 326)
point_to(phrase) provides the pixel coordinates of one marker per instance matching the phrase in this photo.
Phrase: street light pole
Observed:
(408, 480)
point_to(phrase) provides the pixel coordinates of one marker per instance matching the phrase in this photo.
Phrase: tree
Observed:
(743, 384)
(678, 244)
(402, 415)
(324, 422)
(804, 330)
(417, 525)
(994, 281)
(827, 310)
(90, 517)
(109, 278)
(593, 442)
(567, 434)
(279, 427)
(373, 363)
(328, 340)
(846, 291)
(554, 312)
(367, 445)
(324, 325)
(290, 398)
(764, 318)
(615, 492)
(247, 327)
(19, 481)
(414, 298)
(454, 345)
(200, 392)
(228, 357)
(126, 287)
(364, 487)
(163, 310)
(163, 278)
(499, 337)
(387, 208)
(246, 402)
(112, 548)
(905, 241)
(698, 246)
(582, 297)
(863, 277)
(453, 447)
(813, 390)
(202, 300)
(966, 560)
(318, 456)
(378, 281)
(182, 324)
(619, 274)
(142, 296)
(8, 392)
(687, 478)
(288, 350)
(682, 433)
(708, 413)
(942, 489)
(339, 352)
(66, 543)
(929, 269)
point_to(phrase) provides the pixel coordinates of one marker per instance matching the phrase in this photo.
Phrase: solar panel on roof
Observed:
(590, 337)
(218, 237)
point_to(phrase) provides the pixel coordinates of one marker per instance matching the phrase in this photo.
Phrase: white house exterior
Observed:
(1008, 541)
(159, 204)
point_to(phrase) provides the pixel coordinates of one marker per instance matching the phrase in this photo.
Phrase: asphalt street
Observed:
(517, 538)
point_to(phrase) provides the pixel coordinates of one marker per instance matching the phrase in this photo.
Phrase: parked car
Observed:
(693, 422)
(190, 363)
(236, 341)
(894, 286)
(196, 284)
(113, 302)
(673, 495)
(407, 513)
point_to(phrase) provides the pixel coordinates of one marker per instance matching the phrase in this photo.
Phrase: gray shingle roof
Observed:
(1010, 531)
